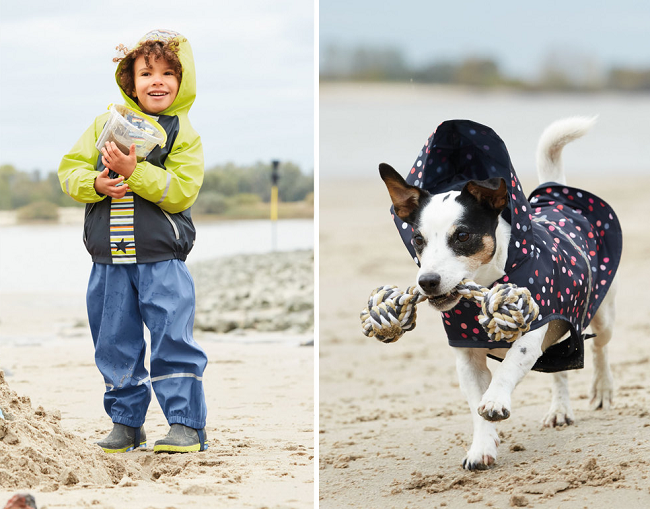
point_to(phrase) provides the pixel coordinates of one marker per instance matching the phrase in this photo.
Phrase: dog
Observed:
(462, 214)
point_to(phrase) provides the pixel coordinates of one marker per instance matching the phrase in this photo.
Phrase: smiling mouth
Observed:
(157, 94)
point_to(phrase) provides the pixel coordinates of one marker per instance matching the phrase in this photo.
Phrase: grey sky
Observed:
(254, 61)
(520, 34)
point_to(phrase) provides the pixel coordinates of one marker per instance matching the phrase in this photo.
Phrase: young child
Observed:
(139, 230)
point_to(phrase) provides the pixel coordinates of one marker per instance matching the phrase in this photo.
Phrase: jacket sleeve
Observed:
(175, 187)
(77, 171)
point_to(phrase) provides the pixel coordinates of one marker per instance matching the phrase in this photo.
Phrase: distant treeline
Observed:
(229, 186)
(223, 185)
(558, 72)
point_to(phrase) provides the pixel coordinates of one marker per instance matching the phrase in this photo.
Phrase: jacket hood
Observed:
(187, 90)
(462, 150)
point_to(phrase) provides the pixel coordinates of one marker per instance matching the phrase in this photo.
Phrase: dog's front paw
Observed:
(558, 415)
(494, 408)
(482, 454)
(602, 391)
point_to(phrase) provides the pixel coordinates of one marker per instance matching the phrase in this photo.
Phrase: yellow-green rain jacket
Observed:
(153, 222)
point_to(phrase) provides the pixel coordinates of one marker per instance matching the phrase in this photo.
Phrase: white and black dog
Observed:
(463, 215)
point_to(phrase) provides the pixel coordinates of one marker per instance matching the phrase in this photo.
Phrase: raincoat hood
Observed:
(152, 222)
(187, 89)
(565, 243)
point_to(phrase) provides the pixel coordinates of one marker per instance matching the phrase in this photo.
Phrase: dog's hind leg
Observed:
(495, 403)
(560, 412)
(602, 387)
(474, 378)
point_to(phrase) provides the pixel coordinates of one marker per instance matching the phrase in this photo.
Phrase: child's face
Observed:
(156, 86)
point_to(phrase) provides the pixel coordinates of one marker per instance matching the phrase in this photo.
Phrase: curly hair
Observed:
(148, 49)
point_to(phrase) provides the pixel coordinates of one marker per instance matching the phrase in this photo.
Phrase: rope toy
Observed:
(506, 310)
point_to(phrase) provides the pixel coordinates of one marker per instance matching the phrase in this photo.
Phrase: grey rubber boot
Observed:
(182, 438)
(123, 439)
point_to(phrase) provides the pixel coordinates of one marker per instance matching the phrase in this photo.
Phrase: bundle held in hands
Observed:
(126, 126)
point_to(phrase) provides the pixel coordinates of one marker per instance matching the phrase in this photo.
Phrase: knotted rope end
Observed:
(507, 312)
(390, 313)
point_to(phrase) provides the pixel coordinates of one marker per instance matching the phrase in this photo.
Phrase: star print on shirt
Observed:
(121, 246)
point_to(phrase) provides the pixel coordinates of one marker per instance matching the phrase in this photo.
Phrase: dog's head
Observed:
(454, 234)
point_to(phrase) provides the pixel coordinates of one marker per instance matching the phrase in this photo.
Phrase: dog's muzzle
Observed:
(445, 301)
(429, 284)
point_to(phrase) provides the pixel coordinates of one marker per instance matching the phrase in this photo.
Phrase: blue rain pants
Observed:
(121, 299)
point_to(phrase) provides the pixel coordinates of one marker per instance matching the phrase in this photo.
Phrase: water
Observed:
(52, 258)
(362, 125)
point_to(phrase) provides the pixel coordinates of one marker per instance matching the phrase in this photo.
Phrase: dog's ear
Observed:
(406, 198)
(492, 193)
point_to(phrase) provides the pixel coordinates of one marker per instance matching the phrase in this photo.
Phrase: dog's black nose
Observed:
(429, 283)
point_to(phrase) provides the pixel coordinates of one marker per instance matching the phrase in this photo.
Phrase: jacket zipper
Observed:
(173, 224)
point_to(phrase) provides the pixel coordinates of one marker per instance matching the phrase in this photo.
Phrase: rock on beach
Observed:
(260, 292)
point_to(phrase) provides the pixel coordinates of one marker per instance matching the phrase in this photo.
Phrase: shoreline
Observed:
(75, 216)
(237, 295)
(345, 85)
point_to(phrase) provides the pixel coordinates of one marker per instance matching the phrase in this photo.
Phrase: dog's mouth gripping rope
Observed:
(506, 310)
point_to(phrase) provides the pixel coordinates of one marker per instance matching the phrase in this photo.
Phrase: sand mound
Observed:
(36, 452)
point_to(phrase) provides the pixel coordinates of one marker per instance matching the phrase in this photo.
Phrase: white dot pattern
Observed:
(565, 245)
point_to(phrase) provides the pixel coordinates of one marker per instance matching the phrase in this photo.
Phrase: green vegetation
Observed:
(566, 71)
(39, 211)
(229, 180)
(19, 188)
(260, 210)
(237, 192)
(228, 191)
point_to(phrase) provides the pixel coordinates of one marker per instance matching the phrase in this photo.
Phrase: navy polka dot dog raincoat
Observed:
(565, 244)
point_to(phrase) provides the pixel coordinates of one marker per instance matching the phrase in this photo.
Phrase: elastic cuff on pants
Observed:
(126, 421)
(186, 421)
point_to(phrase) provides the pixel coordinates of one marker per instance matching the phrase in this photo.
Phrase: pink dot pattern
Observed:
(565, 242)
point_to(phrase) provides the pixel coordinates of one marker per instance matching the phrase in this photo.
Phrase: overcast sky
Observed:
(254, 61)
(519, 34)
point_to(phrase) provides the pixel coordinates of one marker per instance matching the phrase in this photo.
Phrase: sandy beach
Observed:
(394, 425)
(260, 397)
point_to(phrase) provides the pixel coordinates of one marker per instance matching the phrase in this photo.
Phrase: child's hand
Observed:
(109, 186)
(114, 159)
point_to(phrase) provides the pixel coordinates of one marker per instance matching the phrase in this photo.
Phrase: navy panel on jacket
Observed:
(159, 235)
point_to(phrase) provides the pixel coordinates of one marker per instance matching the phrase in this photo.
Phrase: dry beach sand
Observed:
(394, 425)
(258, 384)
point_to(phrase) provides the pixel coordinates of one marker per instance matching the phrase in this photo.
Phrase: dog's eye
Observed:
(462, 236)
(418, 240)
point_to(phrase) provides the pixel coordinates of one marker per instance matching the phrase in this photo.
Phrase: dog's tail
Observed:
(551, 143)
